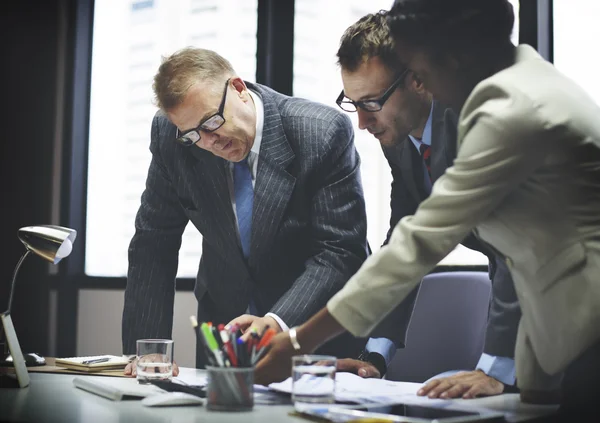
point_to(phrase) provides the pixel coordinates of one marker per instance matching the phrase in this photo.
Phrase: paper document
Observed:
(352, 388)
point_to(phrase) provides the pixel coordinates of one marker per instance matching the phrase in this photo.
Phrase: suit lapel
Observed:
(274, 185)
(443, 142)
(410, 164)
(211, 171)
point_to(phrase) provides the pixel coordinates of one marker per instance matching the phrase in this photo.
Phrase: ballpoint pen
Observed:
(96, 360)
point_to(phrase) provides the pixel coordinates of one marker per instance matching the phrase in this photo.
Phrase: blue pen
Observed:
(242, 353)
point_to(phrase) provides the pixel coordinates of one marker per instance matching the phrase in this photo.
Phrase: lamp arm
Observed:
(14, 279)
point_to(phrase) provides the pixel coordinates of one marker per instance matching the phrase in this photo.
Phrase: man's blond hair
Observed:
(180, 71)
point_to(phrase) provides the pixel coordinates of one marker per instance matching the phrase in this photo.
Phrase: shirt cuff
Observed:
(280, 322)
(500, 368)
(383, 346)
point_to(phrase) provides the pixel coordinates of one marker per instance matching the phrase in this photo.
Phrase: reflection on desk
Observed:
(53, 398)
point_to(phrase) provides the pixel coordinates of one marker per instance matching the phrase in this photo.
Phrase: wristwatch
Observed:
(375, 359)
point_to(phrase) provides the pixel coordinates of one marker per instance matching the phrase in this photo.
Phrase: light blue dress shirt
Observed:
(500, 368)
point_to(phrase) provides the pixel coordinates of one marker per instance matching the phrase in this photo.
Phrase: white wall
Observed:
(99, 324)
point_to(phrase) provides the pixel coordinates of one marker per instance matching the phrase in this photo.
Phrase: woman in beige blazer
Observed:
(526, 179)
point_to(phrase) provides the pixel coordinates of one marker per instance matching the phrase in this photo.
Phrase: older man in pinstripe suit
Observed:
(273, 185)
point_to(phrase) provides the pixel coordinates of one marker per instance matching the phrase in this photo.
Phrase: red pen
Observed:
(228, 347)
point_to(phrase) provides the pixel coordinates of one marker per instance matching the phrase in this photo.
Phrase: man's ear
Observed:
(240, 87)
(415, 83)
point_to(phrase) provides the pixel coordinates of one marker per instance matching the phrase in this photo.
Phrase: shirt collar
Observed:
(260, 118)
(426, 139)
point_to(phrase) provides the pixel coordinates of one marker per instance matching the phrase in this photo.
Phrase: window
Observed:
(576, 35)
(129, 39)
(317, 77)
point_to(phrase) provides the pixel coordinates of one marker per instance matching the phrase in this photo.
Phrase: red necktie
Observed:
(426, 154)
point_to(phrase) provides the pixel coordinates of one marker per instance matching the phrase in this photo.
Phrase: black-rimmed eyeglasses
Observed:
(374, 105)
(210, 124)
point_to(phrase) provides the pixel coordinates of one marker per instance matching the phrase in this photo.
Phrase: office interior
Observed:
(63, 311)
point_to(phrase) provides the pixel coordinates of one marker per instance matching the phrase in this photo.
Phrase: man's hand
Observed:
(247, 322)
(361, 368)
(131, 369)
(463, 384)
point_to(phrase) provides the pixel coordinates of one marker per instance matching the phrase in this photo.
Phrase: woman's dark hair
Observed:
(452, 24)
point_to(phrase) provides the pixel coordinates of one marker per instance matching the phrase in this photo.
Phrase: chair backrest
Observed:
(447, 328)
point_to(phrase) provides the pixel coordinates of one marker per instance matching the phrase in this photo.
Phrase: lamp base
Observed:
(15, 350)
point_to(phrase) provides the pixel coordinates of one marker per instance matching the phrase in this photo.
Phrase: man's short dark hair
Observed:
(369, 37)
(452, 24)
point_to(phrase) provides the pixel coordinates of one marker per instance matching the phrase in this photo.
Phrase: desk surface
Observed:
(53, 398)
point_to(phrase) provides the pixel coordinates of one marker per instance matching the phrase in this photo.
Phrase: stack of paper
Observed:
(352, 388)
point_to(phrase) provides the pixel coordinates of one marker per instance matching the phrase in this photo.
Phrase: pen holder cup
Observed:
(230, 388)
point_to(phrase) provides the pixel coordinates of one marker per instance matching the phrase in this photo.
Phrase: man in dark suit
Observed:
(273, 185)
(418, 138)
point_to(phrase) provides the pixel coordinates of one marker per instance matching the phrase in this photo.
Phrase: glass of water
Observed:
(154, 360)
(313, 378)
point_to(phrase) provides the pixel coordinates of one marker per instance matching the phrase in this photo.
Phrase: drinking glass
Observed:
(154, 360)
(313, 378)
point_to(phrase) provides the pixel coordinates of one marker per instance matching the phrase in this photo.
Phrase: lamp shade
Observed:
(53, 243)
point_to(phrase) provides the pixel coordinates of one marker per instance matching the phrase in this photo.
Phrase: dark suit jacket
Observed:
(408, 191)
(308, 228)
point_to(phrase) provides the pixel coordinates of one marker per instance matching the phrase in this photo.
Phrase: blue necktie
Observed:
(244, 199)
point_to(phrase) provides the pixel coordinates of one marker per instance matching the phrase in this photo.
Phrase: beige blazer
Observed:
(527, 178)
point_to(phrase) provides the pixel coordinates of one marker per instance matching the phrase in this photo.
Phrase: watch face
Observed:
(363, 356)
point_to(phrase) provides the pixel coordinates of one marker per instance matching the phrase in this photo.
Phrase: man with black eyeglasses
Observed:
(418, 138)
(273, 185)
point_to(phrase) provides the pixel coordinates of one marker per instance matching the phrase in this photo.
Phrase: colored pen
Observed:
(242, 353)
(266, 338)
(228, 349)
(212, 343)
(259, 355)
(202, 342)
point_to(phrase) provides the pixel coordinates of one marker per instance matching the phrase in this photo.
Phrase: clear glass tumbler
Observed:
(313, 378)
(154, 360)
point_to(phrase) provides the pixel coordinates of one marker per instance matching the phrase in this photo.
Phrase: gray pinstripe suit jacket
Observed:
(309, 223)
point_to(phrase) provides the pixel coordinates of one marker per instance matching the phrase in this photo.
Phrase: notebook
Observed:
(93, 363)
(116, 389)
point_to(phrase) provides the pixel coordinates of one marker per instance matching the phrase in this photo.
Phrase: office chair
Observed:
(447, 329)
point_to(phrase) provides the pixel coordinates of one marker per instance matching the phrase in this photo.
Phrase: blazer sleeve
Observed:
(153, 255)
(494, 159)
(338, 225)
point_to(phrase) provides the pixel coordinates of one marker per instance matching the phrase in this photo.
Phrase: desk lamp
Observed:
(52, 243)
